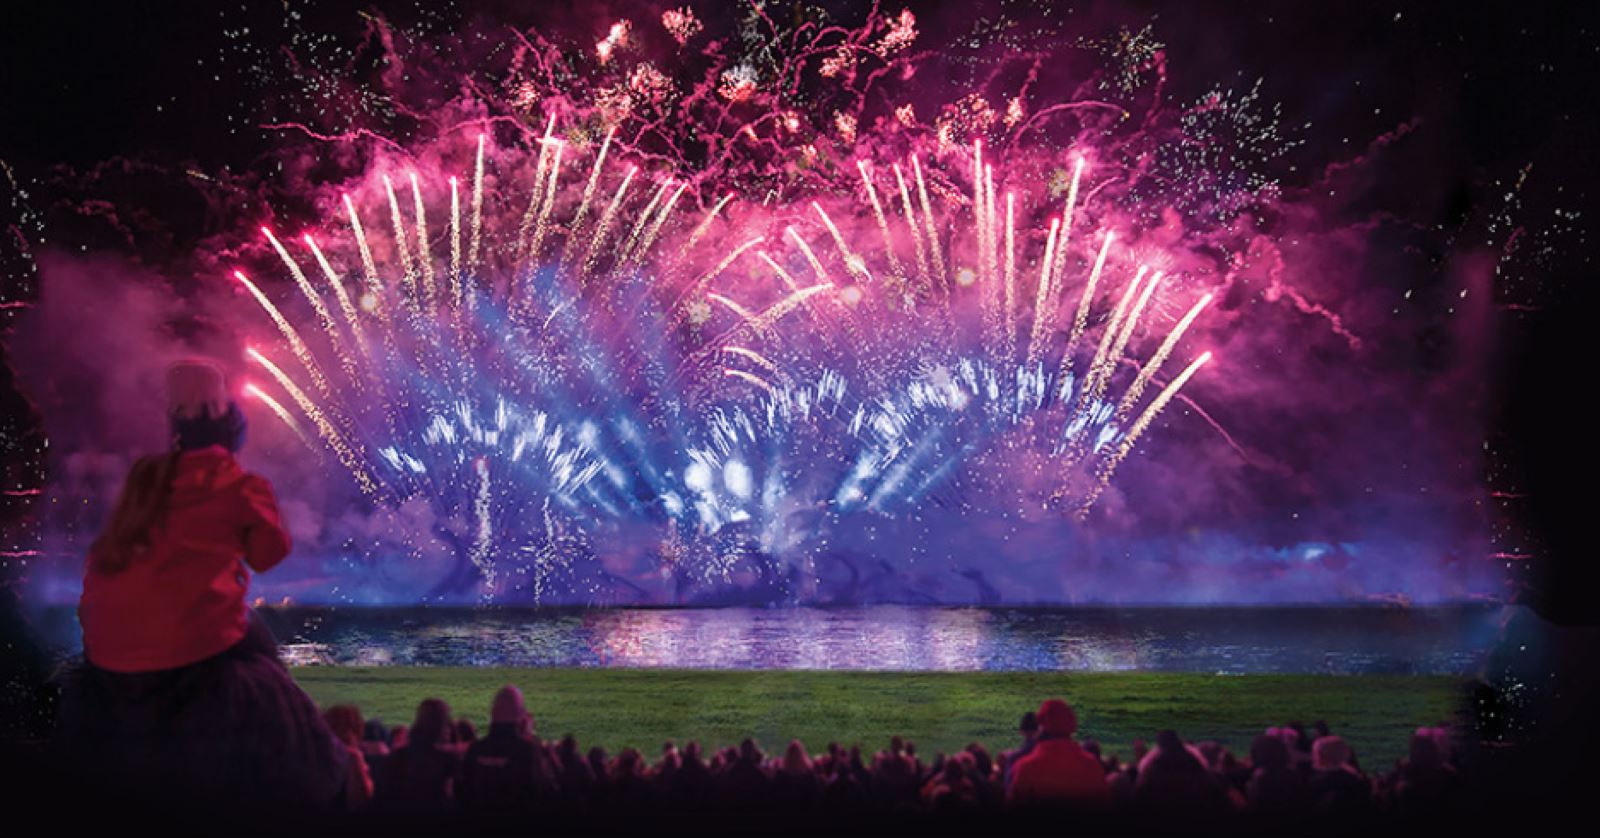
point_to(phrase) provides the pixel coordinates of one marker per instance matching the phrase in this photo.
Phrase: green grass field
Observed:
(940, 711)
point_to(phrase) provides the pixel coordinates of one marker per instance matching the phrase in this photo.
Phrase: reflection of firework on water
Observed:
(600, 349)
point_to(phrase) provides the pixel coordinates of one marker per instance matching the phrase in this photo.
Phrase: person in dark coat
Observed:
(420, 777)
(375, 745)
(896, 779)
(181, 699)
(689, 786)
(744, 784)
(1427, 783)
(577, 779)
(508, 771)
(795, 785)
(1337, 788)
(1174, 781)
(1029, 729)
(1274, 789)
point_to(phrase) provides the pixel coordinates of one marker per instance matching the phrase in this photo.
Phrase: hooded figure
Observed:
(182, 694)
(507, 771)
(1058, 772)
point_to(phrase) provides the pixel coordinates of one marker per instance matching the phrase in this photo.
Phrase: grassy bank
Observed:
(938, 710)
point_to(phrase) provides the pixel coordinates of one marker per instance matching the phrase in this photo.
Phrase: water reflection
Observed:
(1233, 640)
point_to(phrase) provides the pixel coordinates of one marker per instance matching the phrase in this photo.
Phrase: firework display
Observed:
(544, 399)
(775, 303)
(750, 378)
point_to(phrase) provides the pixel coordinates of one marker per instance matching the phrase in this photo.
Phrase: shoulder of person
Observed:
(250, 482)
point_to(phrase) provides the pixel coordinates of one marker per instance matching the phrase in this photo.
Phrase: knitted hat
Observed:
(196, 389)
(1056, 718)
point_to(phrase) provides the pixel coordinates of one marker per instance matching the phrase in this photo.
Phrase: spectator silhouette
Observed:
(1337, 788)
(1174, 779)
(1058, 772)
(507, 772)
(419, 777)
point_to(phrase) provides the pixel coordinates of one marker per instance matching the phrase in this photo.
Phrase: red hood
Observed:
(203, 473)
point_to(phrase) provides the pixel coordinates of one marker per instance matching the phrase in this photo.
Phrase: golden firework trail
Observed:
(1153, 366)
(477, 209)
(703, 226)
(369, 268)
(1103, 359)
(346, 307)
(1109, 465)
(927, 217)
(910, 216)
(290, 336)
(283, 414)
(588, 196)
(883, 221)
(1080, 320)
(401, 250)
(606, 219)
(455, 245)
(429, 291)
(1041, 298)
(330, 435)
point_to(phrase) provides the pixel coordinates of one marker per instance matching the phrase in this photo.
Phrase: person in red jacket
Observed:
(181, 694)
(1058, 772)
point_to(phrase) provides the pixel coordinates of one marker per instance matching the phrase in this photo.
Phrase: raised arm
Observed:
(266, 542)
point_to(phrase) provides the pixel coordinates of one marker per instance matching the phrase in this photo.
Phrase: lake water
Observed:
(1448, 640)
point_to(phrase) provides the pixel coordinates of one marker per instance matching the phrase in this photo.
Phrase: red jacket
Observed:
(182, 599)
(1057, 771)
